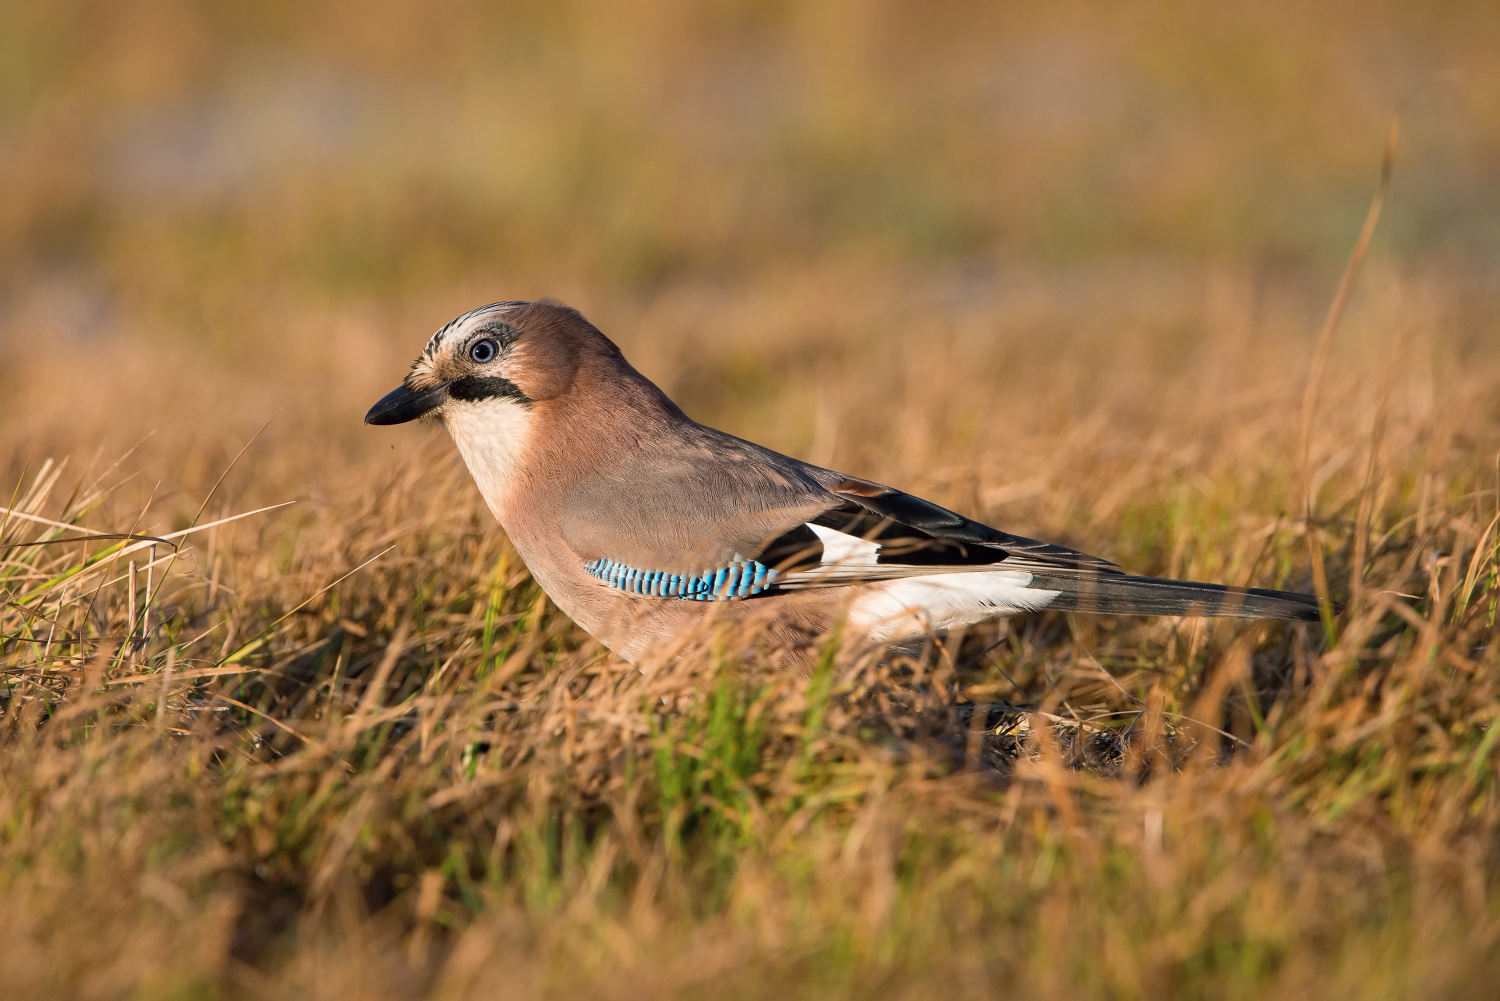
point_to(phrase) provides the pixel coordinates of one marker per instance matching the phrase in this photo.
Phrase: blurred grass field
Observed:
(1062, 268)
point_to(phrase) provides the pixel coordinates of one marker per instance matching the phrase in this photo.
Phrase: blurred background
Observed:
(871, 233)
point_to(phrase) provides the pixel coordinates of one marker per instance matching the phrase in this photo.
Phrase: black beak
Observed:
(402, 405)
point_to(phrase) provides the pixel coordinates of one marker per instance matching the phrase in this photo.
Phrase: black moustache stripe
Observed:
(485, 387)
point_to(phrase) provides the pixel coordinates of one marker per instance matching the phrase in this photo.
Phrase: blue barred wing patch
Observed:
(740, 579)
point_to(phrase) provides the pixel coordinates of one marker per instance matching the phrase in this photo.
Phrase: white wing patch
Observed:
(840, 550)
(909, 608)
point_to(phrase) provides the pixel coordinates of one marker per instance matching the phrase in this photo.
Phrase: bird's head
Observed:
(492, 359)
(510, 358)
(507, 377)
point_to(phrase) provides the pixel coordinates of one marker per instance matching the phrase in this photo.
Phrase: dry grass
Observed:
(259, 772)
(345, 748)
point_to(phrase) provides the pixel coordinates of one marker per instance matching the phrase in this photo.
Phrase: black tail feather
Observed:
(1120, 594)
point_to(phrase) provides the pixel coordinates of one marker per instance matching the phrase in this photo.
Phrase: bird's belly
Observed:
(640, 628)
(788, 627)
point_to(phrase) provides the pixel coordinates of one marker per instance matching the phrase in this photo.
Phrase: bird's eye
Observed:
(483, 350)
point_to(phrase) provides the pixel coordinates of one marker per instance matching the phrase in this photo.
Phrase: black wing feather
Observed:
(918, 532)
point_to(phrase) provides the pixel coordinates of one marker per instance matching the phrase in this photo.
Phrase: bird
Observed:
(640, 523)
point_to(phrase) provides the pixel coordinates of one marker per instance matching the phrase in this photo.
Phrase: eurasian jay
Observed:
(636, 520)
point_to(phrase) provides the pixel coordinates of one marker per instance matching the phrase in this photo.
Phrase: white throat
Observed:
(492, 436)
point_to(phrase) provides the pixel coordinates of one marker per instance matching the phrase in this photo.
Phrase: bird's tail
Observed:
(1120, 594)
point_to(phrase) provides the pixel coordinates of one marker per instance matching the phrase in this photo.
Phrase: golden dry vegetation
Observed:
(1062, 268)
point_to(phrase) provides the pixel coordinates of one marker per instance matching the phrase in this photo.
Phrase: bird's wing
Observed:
(716, 517)
(917, 531)
(697, 503)
(876, 532)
